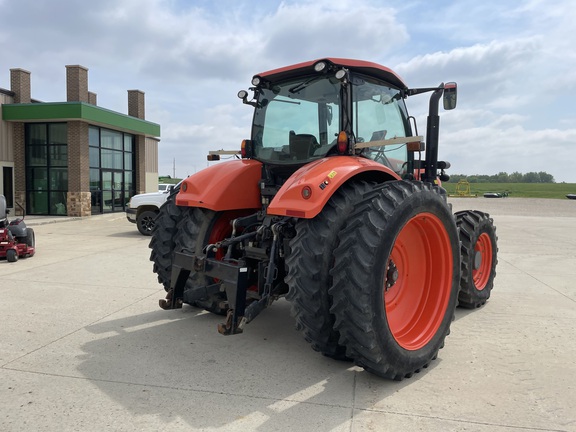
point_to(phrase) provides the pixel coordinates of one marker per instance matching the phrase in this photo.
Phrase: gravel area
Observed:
(540, 207)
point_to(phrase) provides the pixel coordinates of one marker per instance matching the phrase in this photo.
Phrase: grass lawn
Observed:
(520, 190)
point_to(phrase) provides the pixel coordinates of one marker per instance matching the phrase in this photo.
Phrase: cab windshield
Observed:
(380, 114)
(296, 122)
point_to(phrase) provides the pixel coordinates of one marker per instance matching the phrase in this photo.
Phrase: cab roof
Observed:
(368, 68)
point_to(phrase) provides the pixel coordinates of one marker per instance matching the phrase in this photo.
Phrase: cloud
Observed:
(502, 143)
(483, 71)
(504, 119)
(310, 30)
(513, 64)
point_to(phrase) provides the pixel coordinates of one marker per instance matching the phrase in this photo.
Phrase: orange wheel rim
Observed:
(482, 261)
(418, 281)
(222, 228)
(220, 231)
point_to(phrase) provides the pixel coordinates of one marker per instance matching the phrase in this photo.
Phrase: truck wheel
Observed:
(309, 264)
(196, 229)
(11, 255)
(162, 241)
(395, 278)
(479, 257)
(146, 221)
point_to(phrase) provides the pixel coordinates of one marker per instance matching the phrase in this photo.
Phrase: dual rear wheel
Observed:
(376, 278)
(479, 257)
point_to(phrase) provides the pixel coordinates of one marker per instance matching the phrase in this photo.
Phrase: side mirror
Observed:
(450, 95)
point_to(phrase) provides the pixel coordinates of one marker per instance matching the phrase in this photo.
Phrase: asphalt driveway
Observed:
(85, 347)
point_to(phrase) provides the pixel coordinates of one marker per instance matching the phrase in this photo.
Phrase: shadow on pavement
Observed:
(174, 364)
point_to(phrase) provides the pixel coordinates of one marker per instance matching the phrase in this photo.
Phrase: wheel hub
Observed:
(477, 260)
(391, 275)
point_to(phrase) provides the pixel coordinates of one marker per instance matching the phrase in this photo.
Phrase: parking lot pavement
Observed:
(84, 346)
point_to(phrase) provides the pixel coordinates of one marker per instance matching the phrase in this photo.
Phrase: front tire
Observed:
(11, 255)
(479, 257)
(395, 278)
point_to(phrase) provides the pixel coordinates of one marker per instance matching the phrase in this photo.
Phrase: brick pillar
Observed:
(92, 98)
(76, 83)
(20, 85)
(136, 106)
(79, 197)
(18, 133)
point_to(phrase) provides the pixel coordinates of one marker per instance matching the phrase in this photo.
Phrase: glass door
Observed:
(117, 191)
(112, 191)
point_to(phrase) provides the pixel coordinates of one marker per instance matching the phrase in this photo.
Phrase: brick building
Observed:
(73, 158)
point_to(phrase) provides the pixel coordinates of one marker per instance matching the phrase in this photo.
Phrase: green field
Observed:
(168, 180)
(519, 190)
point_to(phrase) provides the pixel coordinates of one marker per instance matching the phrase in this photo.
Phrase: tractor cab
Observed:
(300, 114)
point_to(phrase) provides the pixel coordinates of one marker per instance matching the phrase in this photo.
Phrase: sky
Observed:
(514, 62)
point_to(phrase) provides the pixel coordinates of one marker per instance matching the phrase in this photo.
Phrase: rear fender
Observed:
(322, 178)
(225, 186)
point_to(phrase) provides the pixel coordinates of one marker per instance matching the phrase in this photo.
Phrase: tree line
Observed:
(503, 177)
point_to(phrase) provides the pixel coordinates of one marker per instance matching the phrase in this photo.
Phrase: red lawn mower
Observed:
(16, 239)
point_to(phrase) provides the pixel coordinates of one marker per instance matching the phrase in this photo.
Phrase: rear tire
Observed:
(395, 278)
(146, 221)
(309, 264)
(479, 257)
(30, 237)
(11, 255)
(197, 228)
(162, 242)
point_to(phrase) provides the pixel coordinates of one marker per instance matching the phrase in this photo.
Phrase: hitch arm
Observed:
(241, 314)
(183, 265)
(181, 268)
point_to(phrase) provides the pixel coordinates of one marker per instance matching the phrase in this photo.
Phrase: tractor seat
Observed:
(302, 146)
(378, 135)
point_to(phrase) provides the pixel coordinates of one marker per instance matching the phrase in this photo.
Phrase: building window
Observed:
(8, 185)
(111, 169)
(46, 168)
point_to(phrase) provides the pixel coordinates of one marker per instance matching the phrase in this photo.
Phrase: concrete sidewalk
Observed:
(84, 346)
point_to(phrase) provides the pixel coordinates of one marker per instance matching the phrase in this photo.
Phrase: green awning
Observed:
(78, 111)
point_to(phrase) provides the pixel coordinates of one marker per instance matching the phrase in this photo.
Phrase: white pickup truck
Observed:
(143, 208)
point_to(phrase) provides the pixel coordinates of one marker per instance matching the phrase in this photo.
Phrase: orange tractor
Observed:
(336, 205)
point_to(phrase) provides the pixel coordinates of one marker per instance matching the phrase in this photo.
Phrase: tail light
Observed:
(306, 192)
(342, 143)
(246, 149)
